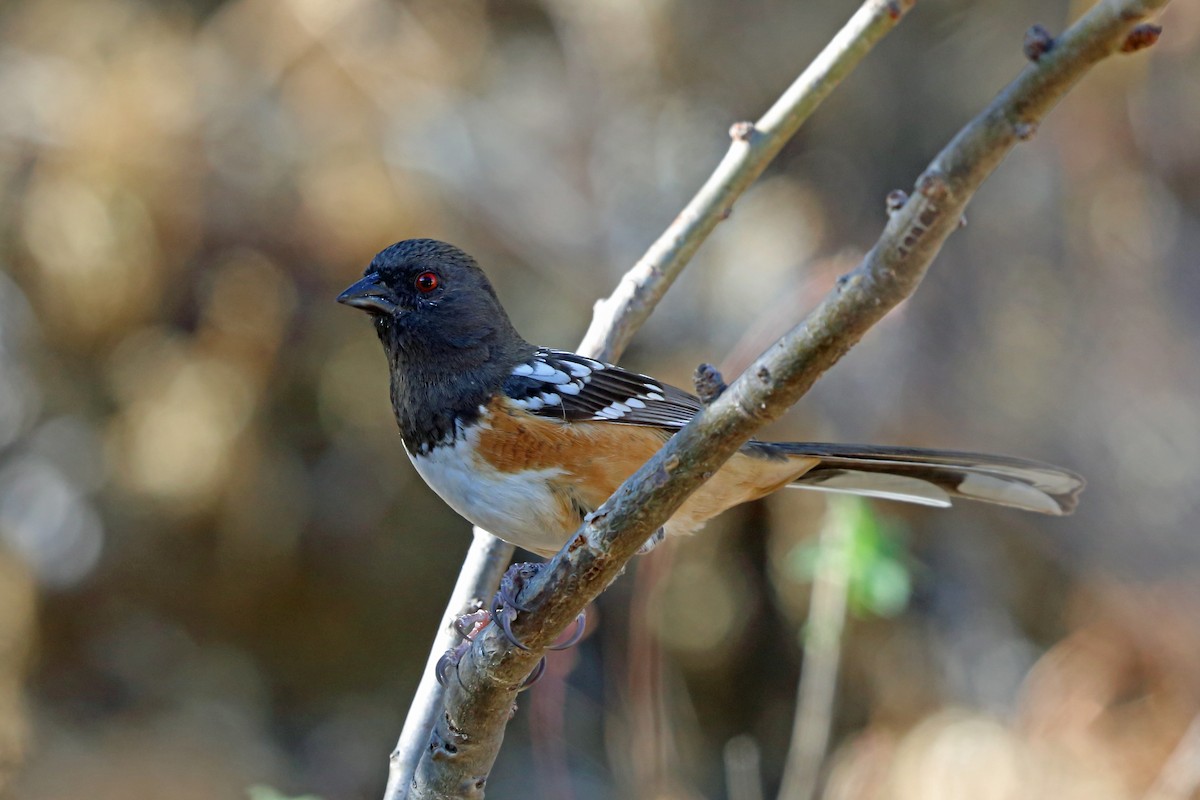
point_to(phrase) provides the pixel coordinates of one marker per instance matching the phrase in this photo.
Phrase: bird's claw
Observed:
(576, 635)
(505, 605)
(534, 676)
(503, 611)
(468, 625)
(513, 581)
(449, 661)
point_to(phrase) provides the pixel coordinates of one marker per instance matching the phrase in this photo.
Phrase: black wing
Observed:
(555, 383)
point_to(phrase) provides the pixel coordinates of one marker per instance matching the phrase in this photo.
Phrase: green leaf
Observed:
(885, 588)
(876, 559)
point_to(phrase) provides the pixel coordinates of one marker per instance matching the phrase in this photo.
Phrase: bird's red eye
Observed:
(427, 282)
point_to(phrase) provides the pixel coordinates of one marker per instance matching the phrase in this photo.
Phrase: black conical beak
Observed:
(370, 294)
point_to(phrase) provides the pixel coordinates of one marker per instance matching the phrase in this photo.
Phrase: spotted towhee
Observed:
(525, 441)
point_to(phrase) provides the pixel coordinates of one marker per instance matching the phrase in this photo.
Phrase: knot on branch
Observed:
(932, 185)
(895, 201)
(709, 383)
(742, 131)
(440, 747)
(1142, 36)
(1038, 42)
(1024, 130)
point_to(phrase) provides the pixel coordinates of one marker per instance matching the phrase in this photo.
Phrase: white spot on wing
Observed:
(551, 399)
(543, 370)
(633, 402)
(578, 370)
(548, 373)
(570, 388)
(523, 369)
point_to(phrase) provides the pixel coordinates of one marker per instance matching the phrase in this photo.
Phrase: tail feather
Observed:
(934, 477)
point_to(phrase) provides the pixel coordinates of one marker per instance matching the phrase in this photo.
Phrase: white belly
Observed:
(518, 507)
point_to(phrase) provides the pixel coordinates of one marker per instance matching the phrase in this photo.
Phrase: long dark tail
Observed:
(933, 477)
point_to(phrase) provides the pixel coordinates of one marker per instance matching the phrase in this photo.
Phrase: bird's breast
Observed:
(519, 506)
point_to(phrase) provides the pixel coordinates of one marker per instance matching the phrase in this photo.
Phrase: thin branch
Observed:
(743, 768)
(479, 701)
(822, 655)
(619, 317)
(486, 560)
(754, 146)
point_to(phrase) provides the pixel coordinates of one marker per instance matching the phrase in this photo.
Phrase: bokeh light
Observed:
(218, 570)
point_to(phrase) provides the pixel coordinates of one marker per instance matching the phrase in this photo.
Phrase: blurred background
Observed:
(219, 574)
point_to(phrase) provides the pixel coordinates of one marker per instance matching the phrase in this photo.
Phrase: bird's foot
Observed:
(467, 627)
(506, 606)
(504, 610)
(449, 661)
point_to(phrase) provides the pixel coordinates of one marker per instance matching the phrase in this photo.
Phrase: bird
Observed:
(527, 441)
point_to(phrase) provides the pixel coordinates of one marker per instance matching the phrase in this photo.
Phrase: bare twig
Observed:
(618, 318)
(486, 560)
(478, 704)
(754, 146)
(743, 768)
(651, 739)
(822, 654)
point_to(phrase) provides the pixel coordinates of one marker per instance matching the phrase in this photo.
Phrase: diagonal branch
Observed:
(478, 704)
(618, 318)
(754, 146)
(485, 562)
